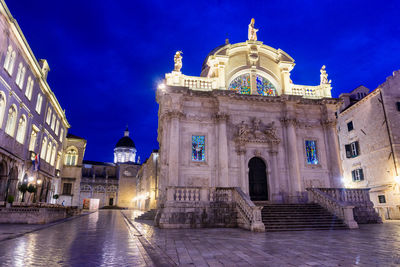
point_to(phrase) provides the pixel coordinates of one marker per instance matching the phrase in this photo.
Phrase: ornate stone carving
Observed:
(252, 33)
(256, 133)
(178, 61)
(289, 121)
(221, 117)
(172, 114)
(328, 123)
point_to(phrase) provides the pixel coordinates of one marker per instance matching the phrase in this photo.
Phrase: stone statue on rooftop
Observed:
(252, 35)
(178, 61)
(324, 76)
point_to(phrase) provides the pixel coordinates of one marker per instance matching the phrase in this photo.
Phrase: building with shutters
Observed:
(369, 136)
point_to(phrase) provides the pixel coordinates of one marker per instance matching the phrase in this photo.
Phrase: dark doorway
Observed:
(258, 185)
(111, 202)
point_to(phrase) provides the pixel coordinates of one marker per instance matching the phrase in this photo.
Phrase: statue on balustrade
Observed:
(324, 76)
(178, 61)
(252, 34)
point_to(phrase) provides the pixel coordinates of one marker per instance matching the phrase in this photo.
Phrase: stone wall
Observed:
(31, 215)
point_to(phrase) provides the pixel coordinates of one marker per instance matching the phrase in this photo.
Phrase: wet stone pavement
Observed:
(114, 238)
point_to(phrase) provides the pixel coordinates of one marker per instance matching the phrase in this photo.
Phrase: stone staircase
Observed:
(148, 215)
(299, 217)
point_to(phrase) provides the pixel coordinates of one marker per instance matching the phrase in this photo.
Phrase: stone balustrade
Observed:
(198, 83)
(364, 211)
(349, 195)
(222, 207)
(341, 209)
(306, 91)
(248, 213)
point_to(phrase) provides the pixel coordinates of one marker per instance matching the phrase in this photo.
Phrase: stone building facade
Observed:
(112, 184)
(242, 124)
(369, 135)
(32, 123)
(147, 184)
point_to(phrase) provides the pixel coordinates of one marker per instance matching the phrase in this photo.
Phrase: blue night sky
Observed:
(106, 57)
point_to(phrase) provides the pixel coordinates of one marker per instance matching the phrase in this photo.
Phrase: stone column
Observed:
(293, 160)
(276, 196)
(174, 140)
(223, 156)
(333, 154)
(244, 180)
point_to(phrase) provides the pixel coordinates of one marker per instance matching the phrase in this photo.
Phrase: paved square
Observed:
(114, 238)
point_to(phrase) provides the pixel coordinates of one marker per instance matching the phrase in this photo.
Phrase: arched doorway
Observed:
(258, 185)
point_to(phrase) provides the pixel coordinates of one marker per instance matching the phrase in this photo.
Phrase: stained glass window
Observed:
(265, 87)
(311, 152)
(198, 148)
(241, 84)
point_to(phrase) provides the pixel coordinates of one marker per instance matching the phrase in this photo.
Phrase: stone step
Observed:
(296, 217)
(306, 229)
(301, 223)
(304, 226)
(148, 215)
(301, 219)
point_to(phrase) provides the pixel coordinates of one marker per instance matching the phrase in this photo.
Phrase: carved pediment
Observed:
(257, 132)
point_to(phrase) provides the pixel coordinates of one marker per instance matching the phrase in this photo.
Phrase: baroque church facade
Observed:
(243, 124)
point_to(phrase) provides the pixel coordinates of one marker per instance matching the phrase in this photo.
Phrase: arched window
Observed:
(48, 116)
(29, 88)
(86, 188)
(32, 142)
(22, 78)
(53, 122)
(53, 155)
(19, 74)
(39, 103)
(99, 188)
(241, 84)
(11, 120)
(57, 127)
(44, 146)
(21, 129)
(265, 87)
(2, 107)
(8, 58)
(12, 62)
(71, 157)
(61, 135)
(48, 152)
(58, 161)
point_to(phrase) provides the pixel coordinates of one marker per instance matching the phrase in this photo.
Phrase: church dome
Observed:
(125, 141)
(125, 150)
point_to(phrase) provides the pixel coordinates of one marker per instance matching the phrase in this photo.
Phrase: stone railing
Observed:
(341, 209)
(222, 200)
(192, 82)
(306, 91)
(348, 195)
(364, 211)
(248, 213)
(198, 83)
(186, 194)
